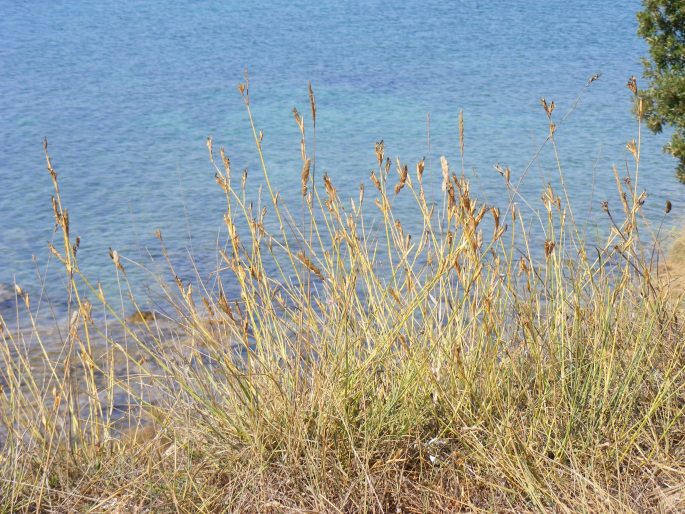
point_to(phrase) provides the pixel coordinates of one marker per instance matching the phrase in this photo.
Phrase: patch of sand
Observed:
(674, 269)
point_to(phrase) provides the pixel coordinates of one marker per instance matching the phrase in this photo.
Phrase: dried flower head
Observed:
(404, 173)
(444, 165)
(632, 85)
(380, 151)
(305, 176)
(549, 108)
(549, 247)
(114, 255)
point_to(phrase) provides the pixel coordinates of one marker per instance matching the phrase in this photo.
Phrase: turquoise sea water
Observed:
(127, 93)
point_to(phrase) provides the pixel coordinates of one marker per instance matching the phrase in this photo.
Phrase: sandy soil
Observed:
(673, 272)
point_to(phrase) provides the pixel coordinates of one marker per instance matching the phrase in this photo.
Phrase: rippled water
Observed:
(127, 92)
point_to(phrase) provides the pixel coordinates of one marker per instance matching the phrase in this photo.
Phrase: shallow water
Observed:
(126, 93)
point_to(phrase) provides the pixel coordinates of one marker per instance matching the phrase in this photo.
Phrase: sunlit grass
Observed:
(470, 365)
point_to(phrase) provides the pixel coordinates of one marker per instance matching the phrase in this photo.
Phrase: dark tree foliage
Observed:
(662, 25)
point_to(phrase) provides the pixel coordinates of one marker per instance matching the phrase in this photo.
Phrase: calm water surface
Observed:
(127, 93)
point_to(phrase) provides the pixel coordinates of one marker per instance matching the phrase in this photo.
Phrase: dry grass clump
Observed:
(463, 365)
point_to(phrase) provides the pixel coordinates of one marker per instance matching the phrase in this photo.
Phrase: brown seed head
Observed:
(641, 199)
(549, 247)
(549, 108)
(305, 176)
(523, 265)
(444, 165)
(375, 180)
(632, 148)
(209, 148)
(419, 169)
(495, 216)
(328, 185)
(552, 128)
(380, 151)
(404, 173)
(312, 103)
(298, 120)
(310, 265)
(114, 255)
(632, 84)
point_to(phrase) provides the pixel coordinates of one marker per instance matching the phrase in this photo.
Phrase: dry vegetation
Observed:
(364, 370)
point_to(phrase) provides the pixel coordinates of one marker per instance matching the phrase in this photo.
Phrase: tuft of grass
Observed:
(372, 362)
